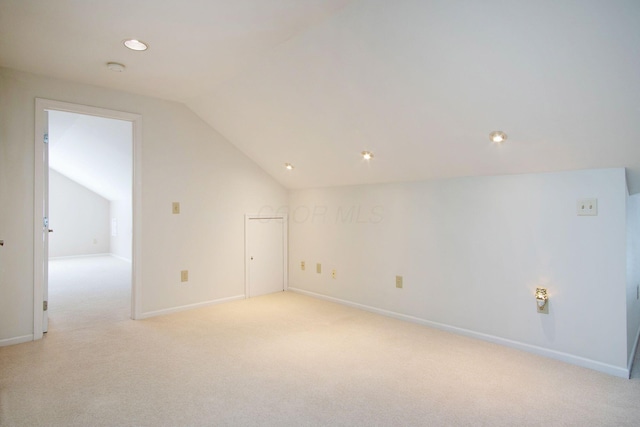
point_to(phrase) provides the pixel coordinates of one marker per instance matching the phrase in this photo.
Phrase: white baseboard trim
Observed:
(53, 258)
(189, 307)
(541, 351)
(120, 257)
(16, 340)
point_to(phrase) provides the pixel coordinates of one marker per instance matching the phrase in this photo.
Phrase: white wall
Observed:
(633, 273)
(121, 235)
(78, 217)
(16, 213)
(183, 159)
(472, 251)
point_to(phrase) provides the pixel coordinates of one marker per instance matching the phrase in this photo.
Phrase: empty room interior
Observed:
(319, 212)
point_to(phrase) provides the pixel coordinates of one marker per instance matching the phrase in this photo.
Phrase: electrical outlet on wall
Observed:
(587, 207)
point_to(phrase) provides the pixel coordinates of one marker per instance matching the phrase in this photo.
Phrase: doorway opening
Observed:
(90, 220)
(87, 208)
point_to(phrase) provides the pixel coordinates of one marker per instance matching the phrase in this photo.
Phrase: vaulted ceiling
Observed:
(421, 83)
(93, 151)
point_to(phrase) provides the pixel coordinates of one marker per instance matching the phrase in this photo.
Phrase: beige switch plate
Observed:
(333, 273)
(399, 282)
(175, 207)
(184, 276)
(318, 268)
(302, 266)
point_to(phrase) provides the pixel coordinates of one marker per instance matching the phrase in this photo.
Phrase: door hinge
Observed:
(46, 138)
(45, 305)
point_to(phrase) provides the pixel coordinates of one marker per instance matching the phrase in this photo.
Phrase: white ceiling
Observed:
(314, 82)
(93, 151)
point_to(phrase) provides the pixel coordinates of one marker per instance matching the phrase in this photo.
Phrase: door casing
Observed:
(285, 254)
(40, 165)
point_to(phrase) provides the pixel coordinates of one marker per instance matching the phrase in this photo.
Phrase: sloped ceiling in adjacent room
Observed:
(93, 151)
(421, 83)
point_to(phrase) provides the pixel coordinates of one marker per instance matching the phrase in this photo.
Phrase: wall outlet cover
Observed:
(545, 309)
(587, 207)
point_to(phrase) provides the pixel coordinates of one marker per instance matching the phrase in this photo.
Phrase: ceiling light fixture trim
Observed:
(288, 166)
(135, 44)
(498, 136)
(115, 67)
(367, 155)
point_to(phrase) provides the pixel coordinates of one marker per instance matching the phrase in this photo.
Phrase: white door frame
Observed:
(285, 250)
(43, 105)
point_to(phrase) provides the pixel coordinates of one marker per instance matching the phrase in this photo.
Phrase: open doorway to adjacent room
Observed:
(85, 273)
(90, 214)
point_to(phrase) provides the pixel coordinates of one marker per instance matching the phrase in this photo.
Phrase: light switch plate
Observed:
(587, 207)
(399, 282)
(333, 273)
(184, 276)
(318, 268)
(302, 266)
(175, 207)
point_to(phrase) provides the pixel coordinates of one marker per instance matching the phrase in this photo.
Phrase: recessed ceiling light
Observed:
(289, 166)
(134, 44)
(367, 155)
(114, 66)
(498, 136)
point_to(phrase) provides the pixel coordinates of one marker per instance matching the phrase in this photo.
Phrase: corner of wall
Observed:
(633, 275)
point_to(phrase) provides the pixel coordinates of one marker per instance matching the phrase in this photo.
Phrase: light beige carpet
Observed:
(290, 360)
(88, 291)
